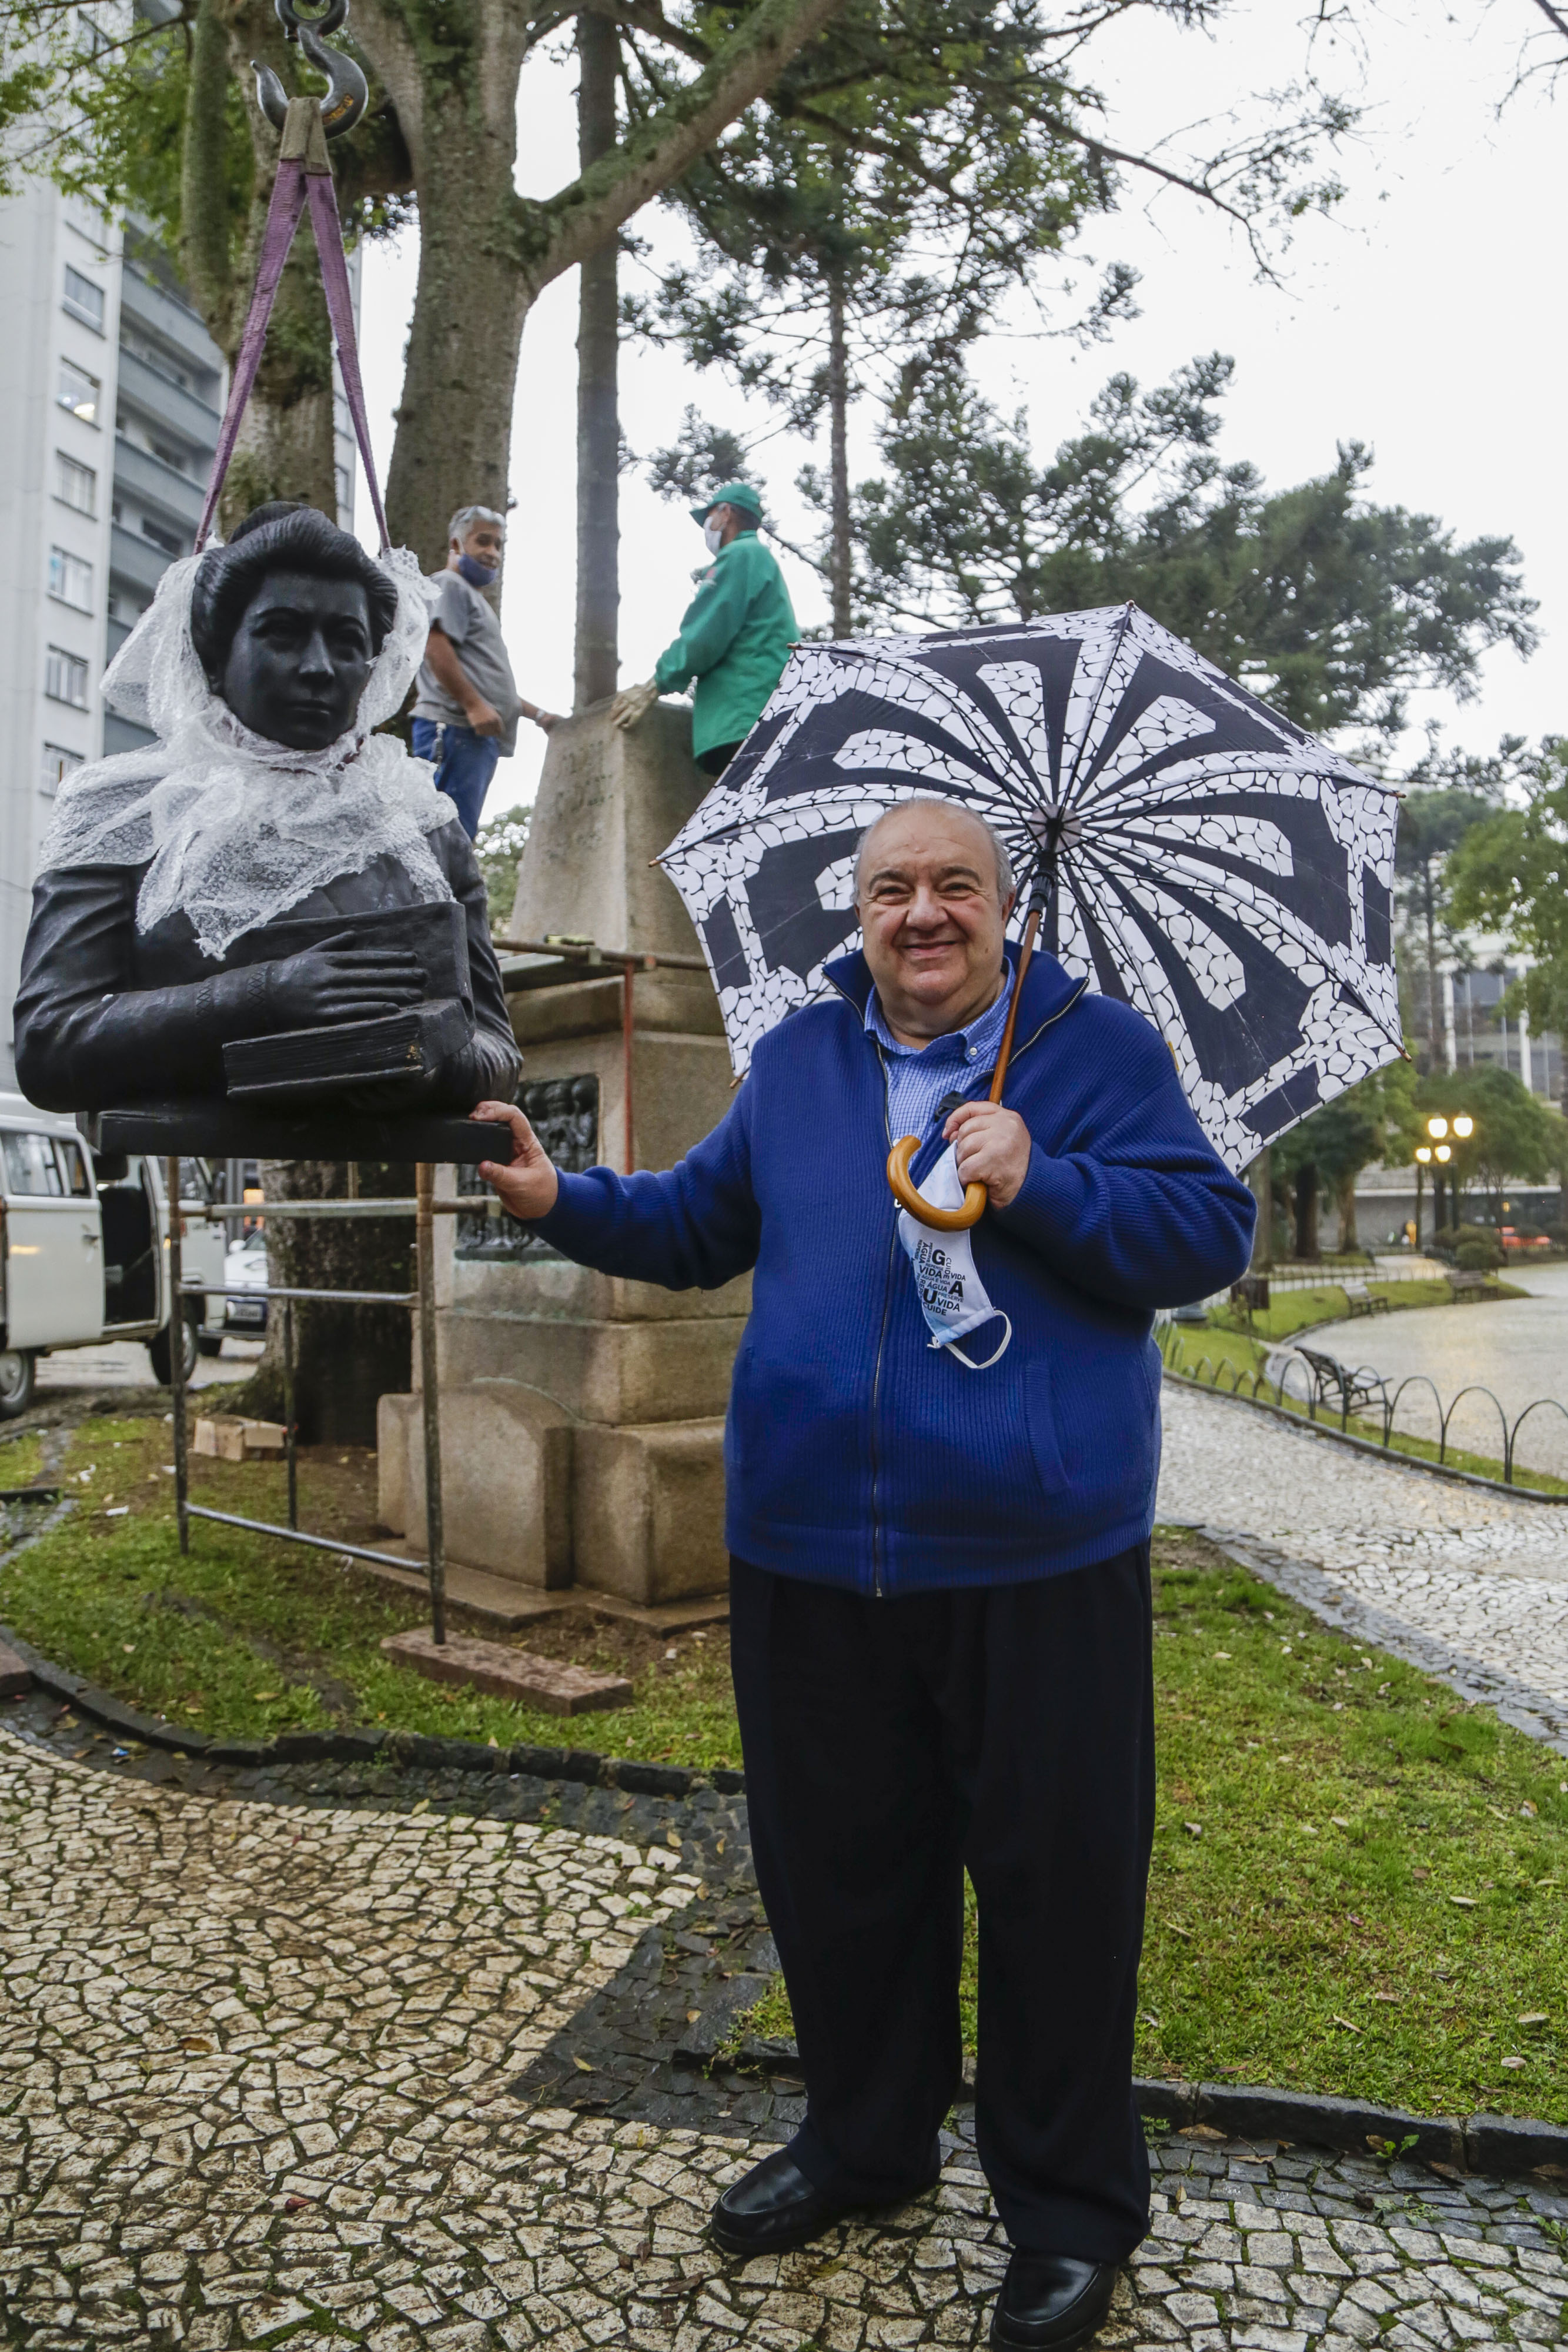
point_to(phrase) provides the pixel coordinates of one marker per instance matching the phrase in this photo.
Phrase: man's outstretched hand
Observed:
(528, 1183)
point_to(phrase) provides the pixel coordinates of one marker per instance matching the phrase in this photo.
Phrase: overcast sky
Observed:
(1425, 319)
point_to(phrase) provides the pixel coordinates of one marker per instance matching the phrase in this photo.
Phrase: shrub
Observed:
(1478, 1256)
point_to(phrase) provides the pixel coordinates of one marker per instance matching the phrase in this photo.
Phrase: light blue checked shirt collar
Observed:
(918, 1077)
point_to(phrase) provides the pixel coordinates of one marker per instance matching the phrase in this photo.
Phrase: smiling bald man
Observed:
(941, 1459)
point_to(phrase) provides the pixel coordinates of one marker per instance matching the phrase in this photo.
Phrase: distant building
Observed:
(111, 396)
(1472, 1024)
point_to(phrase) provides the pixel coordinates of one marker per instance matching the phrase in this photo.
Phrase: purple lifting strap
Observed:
(302, 170)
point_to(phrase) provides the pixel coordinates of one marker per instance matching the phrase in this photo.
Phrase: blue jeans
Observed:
(464, 763)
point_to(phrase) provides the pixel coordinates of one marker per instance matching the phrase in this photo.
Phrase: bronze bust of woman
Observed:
(270, 869)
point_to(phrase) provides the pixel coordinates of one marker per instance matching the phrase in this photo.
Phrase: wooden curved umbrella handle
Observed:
(946, 1221)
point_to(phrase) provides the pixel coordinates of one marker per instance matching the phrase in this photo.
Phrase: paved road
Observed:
(265, 2076)
(123, 1364)
(1518, 1349)
(1480, 1578)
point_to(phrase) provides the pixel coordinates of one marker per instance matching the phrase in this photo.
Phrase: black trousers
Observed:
(891, 1745)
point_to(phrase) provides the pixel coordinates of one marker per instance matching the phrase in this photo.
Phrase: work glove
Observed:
(633, 703)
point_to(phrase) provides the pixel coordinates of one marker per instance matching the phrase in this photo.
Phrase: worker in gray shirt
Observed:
(467, 709)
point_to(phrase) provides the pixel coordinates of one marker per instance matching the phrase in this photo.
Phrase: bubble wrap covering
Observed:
(238, 828)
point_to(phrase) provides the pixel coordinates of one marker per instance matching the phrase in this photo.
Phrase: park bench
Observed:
(1334, 1383)
(1362, 1301)
(1469, 1285)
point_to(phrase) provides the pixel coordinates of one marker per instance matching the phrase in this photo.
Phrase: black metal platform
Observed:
(222, 1131)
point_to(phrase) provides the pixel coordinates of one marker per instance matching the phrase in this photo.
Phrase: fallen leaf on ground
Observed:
(582, 2064)
(1193, 1829)
(1463, 1902)
(1346, 2023)
(1533, 2017)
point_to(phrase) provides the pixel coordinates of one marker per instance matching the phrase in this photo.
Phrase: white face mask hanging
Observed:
(713, 536)
(953, 1298)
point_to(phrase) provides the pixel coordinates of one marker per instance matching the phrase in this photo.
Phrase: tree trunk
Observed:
(598, 422)
(1307, 1212)
(345, 1357)
(840, 552)
(454, 420)
(1437, 1044)
(1344, 1202)
(1260, 1177)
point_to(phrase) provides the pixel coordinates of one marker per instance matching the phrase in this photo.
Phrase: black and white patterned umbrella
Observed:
(1194, 852)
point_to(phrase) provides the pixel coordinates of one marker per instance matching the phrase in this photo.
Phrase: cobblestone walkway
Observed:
(265, 2078)
(1481, 1579)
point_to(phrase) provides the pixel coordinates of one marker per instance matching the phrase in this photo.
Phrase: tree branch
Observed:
(578, 220)
(645, 16)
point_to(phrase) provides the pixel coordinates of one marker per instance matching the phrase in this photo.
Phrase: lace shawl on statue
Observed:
(238, 828)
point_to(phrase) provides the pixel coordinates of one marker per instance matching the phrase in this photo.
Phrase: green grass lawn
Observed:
(246, 1637)
(1359, 1886)
(1359, 1883)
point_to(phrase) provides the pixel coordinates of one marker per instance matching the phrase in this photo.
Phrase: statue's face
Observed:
(300, 659)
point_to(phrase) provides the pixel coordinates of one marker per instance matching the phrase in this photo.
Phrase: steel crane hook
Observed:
(348, 92)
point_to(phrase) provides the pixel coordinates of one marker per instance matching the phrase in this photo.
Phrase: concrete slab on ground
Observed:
(519, 1674)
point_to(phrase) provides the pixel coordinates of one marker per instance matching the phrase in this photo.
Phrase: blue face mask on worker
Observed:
(477, 574)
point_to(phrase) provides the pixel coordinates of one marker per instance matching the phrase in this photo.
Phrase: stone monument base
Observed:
(547, 1503)
(582, 1414)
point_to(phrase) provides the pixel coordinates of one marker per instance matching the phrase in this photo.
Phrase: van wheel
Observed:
(162, 1362)
(18, 1372)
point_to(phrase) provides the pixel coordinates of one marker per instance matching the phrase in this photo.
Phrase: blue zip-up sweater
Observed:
(856, 1454)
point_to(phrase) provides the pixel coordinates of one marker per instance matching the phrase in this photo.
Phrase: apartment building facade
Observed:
(110, 396)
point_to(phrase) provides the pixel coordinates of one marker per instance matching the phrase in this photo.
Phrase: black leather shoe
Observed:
(1051, 2303)
(776, 2209)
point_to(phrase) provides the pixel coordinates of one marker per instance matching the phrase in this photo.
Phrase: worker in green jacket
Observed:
(735, 634)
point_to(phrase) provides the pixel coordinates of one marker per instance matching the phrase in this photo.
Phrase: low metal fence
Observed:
(1361, 1391)
(420, 1303)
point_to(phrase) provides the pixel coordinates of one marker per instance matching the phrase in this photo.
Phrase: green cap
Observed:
(734, 494)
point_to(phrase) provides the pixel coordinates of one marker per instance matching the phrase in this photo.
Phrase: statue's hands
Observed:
(336, 981)
(634, 703)
(528, 1183)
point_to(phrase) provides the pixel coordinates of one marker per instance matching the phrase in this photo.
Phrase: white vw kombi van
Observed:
(84, 1250)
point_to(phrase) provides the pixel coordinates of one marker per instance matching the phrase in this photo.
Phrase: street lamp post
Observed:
(1436, 1155)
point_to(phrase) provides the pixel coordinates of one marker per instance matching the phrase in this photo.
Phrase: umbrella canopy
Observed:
(1194, 852)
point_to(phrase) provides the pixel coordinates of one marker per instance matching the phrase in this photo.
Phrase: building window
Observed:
(65, 677)
(78, 392)
(75, 486)
(176, 458)
(84, 299)
(57, 765)
(161, 536)
(70, 580)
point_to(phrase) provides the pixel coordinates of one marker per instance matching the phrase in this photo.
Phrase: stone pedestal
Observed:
(584, 1415)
